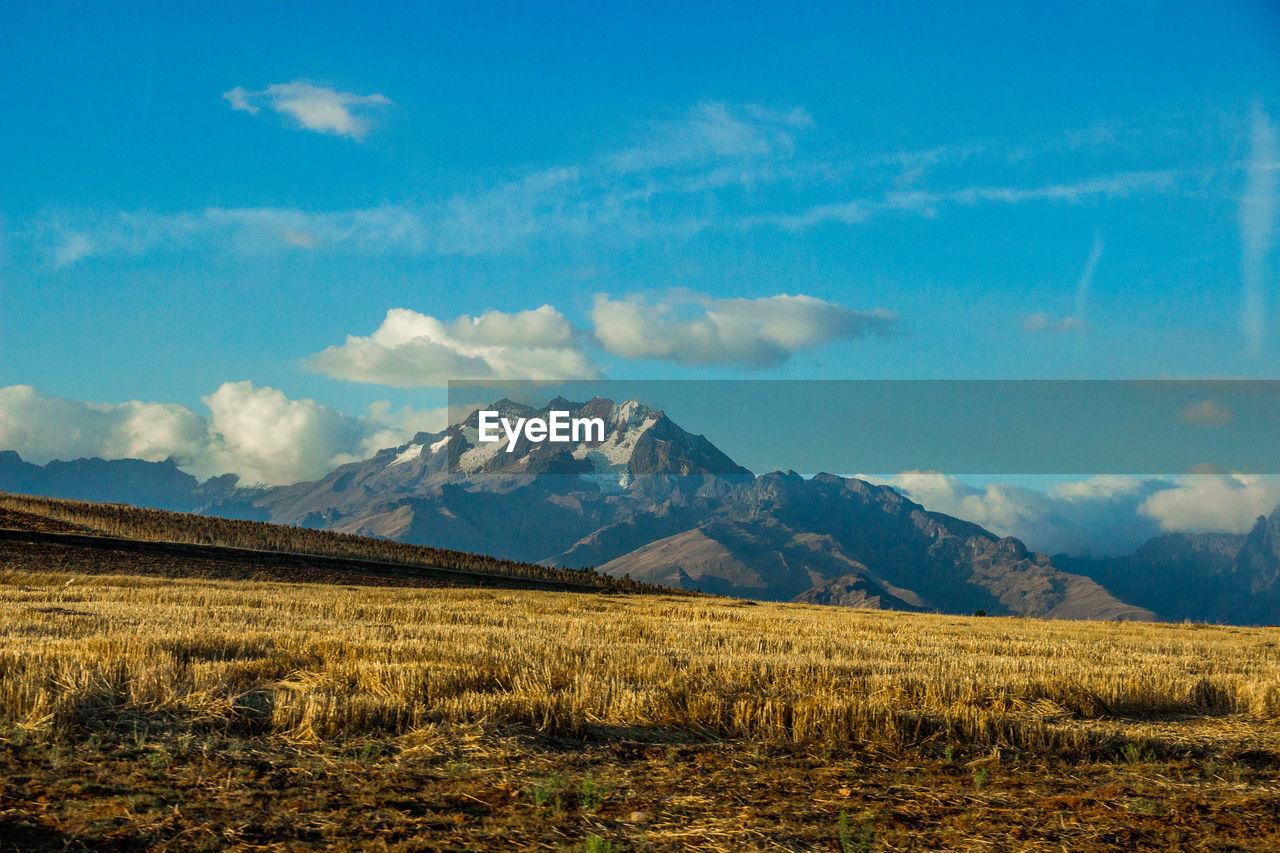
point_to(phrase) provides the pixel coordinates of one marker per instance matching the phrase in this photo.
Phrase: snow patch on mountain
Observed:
(475, 457)
(409, 454)
(617, 447)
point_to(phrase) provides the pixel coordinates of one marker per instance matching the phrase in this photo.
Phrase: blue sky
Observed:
(196, 197)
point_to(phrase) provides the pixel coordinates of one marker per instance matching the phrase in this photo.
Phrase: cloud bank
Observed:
(257, 433)
(693, 329)
(1202, 503)
(411, 349)
(312, 107)
(1100, 515)
(1106, 515)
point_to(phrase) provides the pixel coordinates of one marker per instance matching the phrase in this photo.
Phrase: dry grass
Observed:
(319, 662)
(201, 714)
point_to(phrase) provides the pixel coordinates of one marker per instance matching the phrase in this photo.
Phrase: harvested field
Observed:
(180, 713)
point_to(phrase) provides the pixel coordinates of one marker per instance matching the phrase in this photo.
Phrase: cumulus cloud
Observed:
(1099, 515)
(312, 107)
(1258, 216)
(1104, 516)
(257, 433)
(1201, 503)
(270, 438)
(690, 328)
(41, 428)
(416, 349)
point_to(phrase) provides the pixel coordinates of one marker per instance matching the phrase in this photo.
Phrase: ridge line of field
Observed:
(291, 558)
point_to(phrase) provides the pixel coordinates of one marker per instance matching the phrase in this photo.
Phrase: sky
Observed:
(260, 240)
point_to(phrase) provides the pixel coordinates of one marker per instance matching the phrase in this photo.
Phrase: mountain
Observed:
(833, 539)
(660, 504)
(161, 485)
(1206, 577)
(530, 503)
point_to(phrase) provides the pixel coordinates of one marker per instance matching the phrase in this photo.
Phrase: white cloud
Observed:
(1042, 322)
(1201, 503)
(714, 131)
(256, 433)
(931, 202)
(689, 328)
(1105, 516)
(313, 107)
(1258, 217)
(1206, 413)
(1085, 283)
(539, 205)
(41, 428)
(415, 349)
(719, 167)
(1099, 515)
(266, 437)
(1106, 186)
(845, 213)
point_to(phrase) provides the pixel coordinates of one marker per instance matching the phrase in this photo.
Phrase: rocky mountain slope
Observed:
(662, 505)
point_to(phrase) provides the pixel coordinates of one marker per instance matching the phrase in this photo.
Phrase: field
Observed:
(186, 712)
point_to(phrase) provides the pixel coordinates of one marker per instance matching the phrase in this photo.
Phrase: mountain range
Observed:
(661, 505)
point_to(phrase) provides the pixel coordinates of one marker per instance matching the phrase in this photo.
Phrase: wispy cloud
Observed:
(1258, 209)
(1085, 284)
(1041, 321)
(713, 132)
(312, 107)
(932, 202)
(717, 168)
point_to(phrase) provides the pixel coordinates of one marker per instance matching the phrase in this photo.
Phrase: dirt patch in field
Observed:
(466, 789)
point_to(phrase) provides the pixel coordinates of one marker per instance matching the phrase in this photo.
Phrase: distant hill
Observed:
(160, 485)
(1205, 577)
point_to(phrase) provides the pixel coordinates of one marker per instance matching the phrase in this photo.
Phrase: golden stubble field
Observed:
(553, 720)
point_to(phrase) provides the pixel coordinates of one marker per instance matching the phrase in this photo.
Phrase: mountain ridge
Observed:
(657, 503)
